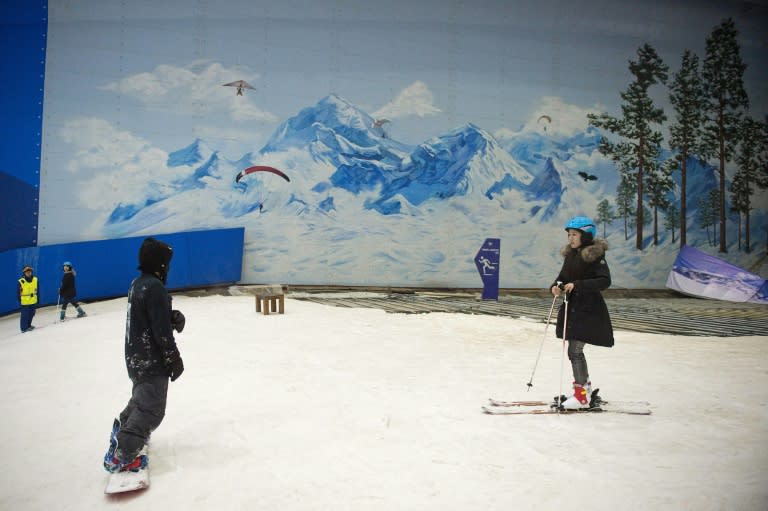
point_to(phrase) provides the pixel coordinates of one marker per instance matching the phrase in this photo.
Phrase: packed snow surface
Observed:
(327, 408)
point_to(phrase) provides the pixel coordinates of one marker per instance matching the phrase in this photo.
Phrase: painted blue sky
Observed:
(427, 66)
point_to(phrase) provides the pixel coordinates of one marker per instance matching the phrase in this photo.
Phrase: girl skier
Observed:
(583, 275)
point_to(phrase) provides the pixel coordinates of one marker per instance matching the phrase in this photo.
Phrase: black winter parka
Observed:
(149, 344)
(588, 318)
(67, 290)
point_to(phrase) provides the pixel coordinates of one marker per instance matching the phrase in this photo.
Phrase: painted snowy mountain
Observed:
(334, 146)
(194, 167)
(211, 166)
(194, 154)
(467, 162)
(350, 181)
(535, 151)
(556, 161)
(336, 132)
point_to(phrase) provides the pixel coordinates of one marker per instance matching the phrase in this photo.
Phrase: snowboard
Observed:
(127, 481)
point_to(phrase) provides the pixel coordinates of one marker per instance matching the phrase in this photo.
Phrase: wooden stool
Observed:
(274, 302)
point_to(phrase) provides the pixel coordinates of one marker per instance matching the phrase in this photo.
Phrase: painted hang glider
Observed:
(699, 274)
(261, 168)
(241, 85)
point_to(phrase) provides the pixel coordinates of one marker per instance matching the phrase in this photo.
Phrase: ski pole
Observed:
(58, 299)
(541, 345)
(562, 355)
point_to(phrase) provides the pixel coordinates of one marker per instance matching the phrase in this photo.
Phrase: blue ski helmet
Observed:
(583, 224)
(67, 263)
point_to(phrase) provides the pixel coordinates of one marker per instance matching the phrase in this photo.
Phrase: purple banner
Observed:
(699, 274)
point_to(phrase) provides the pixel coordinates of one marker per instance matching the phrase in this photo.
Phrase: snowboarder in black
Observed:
(151, 357)
(68, 291)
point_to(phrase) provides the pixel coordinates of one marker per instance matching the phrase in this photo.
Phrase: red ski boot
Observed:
(580, 398)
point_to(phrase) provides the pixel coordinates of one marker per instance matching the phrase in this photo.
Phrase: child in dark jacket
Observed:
(67, 292)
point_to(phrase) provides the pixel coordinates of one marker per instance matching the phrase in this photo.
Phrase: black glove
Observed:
(177, 320)
(175, 367)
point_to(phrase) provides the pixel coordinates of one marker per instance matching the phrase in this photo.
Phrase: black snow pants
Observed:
(142, 415)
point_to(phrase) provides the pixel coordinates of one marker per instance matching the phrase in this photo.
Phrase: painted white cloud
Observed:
(566, 119)
(98, 144)
(553, 117)
(194, 89)
(246, 110)
(114, 166)
(230, 141)
(504, 134)
(416, 99)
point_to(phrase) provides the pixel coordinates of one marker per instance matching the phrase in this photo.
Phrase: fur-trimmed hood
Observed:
(590, 253)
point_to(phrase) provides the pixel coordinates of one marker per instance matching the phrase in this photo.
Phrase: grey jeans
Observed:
(578, 362)
(142, 415)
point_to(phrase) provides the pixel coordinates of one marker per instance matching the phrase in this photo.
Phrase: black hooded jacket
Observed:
(68, 291)
(149, 344)
(588, 318)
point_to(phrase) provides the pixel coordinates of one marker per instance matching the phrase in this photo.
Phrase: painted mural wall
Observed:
(370, 143)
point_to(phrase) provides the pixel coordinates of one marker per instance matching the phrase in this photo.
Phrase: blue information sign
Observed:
(487, 262)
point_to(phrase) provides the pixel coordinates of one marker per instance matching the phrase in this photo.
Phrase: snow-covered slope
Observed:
(338, 408)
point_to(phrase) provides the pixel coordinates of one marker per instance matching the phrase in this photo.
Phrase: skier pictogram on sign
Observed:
(487, 262)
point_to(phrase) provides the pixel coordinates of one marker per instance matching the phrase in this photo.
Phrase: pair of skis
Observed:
(596, 405)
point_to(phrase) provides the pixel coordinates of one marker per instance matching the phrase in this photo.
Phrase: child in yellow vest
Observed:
(28, 292)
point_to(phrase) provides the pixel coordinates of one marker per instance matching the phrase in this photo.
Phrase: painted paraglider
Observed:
(261, 168)
(260, 193)
(241, 86)
(547, 121)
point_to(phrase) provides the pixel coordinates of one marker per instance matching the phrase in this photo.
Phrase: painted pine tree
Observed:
(637, 150)
(726, 101)
(687, 98)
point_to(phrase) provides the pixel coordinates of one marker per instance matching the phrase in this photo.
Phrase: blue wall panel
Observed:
(106, 268)
(23, 27)
(18, 209)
